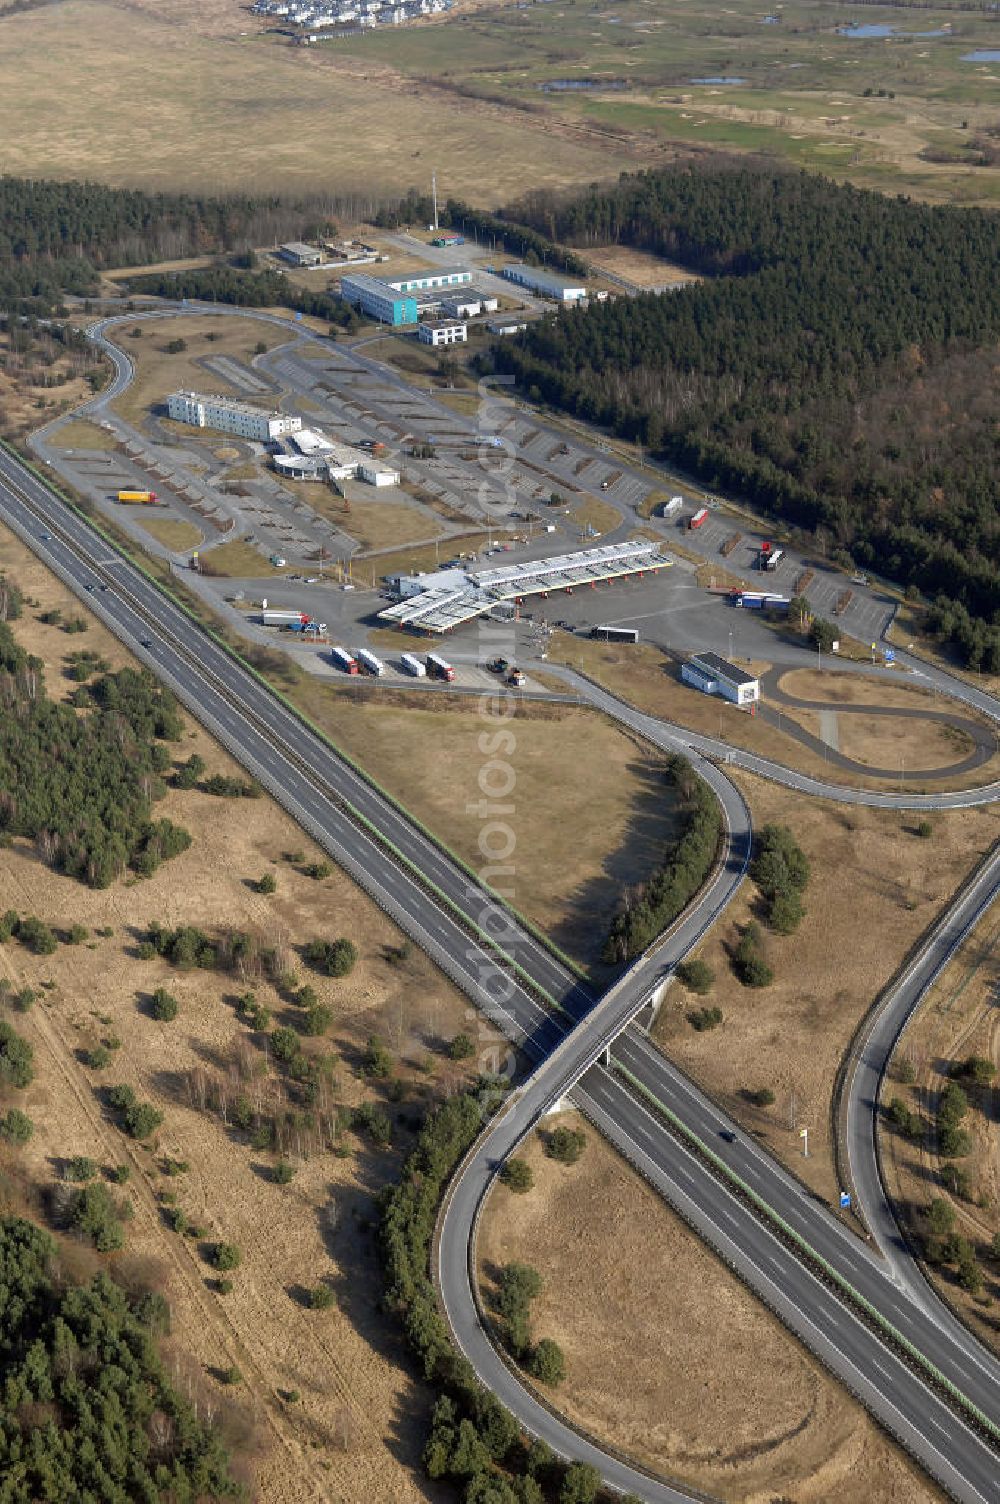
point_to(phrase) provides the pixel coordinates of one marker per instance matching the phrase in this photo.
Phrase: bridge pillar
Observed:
(656, 1001)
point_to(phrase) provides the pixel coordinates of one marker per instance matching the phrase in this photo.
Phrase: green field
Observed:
(867, 108)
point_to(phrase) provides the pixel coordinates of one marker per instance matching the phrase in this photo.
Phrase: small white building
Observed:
(297, 253)
(229, 415)
(714, 676)
(503, 327)
(443, 332)
(462, 308)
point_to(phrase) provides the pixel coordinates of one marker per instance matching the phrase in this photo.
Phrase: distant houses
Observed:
(312, 16)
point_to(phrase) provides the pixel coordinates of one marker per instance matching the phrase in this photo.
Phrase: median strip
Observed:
(809, 1254)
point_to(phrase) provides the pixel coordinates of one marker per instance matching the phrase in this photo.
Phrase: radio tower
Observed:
(434, 195)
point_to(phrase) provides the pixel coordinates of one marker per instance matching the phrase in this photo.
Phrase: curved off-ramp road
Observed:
(355, 824)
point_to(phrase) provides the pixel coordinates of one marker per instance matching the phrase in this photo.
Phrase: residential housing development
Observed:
(230, 416)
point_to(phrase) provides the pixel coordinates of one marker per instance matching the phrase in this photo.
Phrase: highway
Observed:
(316, 786)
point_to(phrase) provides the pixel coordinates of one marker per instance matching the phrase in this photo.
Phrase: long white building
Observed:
(230, 416)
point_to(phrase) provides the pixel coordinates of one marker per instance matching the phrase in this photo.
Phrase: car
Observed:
(145, 642)
(313, 579)
(45, 537)
(497, 665)
(347, 586)
(728, 1135)
(91, 588)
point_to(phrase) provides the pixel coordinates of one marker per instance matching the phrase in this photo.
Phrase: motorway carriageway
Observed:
(272, 744)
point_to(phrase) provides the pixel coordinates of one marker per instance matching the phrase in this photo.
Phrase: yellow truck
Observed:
(140, 498)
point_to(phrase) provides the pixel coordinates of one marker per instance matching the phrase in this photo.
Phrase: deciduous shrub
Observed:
(517, 1175)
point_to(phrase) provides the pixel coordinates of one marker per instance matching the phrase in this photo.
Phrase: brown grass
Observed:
(324, 121)
(158, 373)
(875, 888)
(641, 268)
(241, 560)
(318, 1227)
(581, 834)
(600, 515)
(650, 680)
(884, 742)
(958, 1018)
(169, 531)
(79, 434)
(669, 1357)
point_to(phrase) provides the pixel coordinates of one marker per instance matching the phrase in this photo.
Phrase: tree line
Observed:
(837, 367)
(82, 786)
(642, 917)
(89, 1412)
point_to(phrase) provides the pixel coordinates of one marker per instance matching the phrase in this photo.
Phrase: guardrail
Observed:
(810, 1255)
(496, 898)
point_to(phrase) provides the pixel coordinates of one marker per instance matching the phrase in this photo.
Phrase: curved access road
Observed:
(327, 797)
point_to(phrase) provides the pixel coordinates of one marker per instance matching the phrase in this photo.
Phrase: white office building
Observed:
(444, 332)
(229, 415)
(431, 280)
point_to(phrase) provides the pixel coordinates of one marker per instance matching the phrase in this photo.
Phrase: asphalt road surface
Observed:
(316, 786)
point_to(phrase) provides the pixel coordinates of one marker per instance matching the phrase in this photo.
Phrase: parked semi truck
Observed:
(439, 668)
(283, 618)
(370, 663)
(342, 659)
(672, 507)
(412, 665)
(138, 498)
(758, 600)
(700, 518)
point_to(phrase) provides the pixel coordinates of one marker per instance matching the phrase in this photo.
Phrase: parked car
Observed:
(497, 665)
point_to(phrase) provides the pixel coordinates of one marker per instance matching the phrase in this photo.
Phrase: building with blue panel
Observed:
(430, 281)
(380, 300)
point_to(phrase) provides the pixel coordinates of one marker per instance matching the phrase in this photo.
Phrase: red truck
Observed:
(700, 518)
(438, 668)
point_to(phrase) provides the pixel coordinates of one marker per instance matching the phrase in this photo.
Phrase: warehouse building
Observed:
(230, 416)
(443, 332)
(431, 280)
(547, 284)
(714, 676)
(378, 299)
(318, 458)
(299, 254)
(504, 327)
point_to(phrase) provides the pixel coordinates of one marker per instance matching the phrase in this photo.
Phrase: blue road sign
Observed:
(890, 655)
(298, 318)
(845, 1199)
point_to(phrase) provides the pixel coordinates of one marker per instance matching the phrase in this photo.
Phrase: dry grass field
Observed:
(78, 433)
(169, 531)
(346, 1363)
(875, 888)
(641, 268)
(158, 371)
(650, 680)
(669, 1357)
(137, 85)
(589, 811)
(959, 1018)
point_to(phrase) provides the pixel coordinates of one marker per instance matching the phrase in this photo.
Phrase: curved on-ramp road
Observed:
(625, 1098)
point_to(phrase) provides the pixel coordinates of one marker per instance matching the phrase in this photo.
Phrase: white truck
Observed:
(370, 663)
(412, 665)
(343, 660)
(672, 507)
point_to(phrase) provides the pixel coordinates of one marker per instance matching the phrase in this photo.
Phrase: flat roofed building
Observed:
(443, 332)
(430, 280)
(462, 308)
(504, 327)
(378, 299)
(549, 284)
(230, 416)
(715, 676)
(299, 254)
